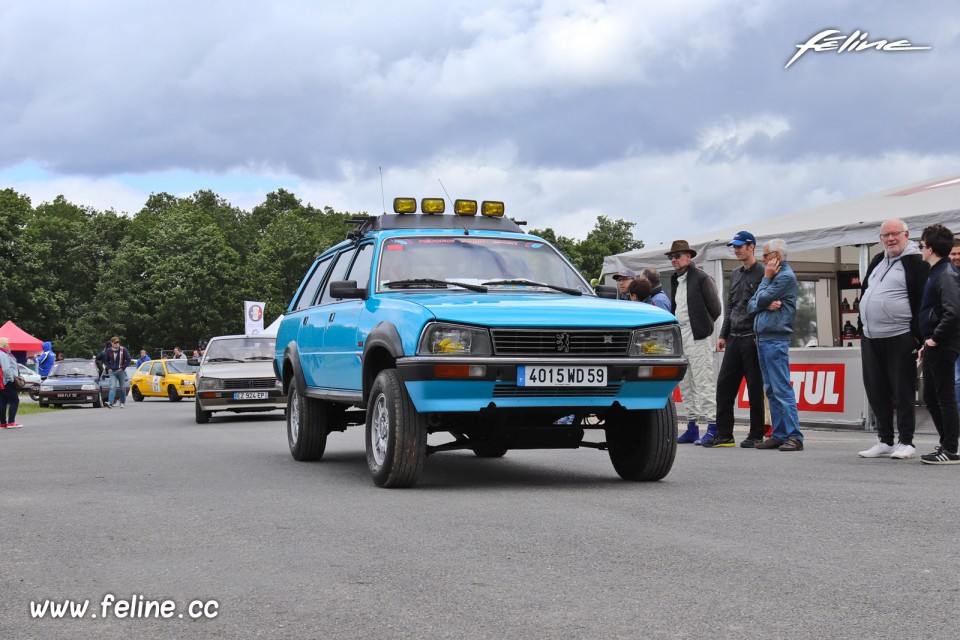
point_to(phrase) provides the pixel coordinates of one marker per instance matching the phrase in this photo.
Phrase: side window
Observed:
(156, 369)
(309, 292)
(338, 272)
(360, 271)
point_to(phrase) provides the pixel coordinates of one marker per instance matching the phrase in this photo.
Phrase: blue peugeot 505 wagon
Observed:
(462, 324)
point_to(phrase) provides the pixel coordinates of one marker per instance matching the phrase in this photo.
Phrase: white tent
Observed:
(815, 232)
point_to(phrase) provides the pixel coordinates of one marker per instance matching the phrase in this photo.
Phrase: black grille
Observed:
(255, 383)
(513, 391)
(560, 342)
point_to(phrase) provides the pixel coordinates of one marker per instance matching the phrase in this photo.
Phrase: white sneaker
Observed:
(879, 450)
(903, 451)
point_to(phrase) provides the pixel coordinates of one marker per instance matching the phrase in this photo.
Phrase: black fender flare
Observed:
(291, 355)
(383, 336)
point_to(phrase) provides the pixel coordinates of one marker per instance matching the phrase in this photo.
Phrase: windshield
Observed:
(65, 369)
(241, 349)
(474, 260)
(180, 366)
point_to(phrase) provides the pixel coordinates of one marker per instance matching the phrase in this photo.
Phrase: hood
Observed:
(538, 309)
(47, 346)
(253, 369)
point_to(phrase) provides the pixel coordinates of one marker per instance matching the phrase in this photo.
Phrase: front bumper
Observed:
(241, 400)
(68, 397)
(632, 383)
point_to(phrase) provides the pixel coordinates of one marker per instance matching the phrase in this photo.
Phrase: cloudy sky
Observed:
(678, 115)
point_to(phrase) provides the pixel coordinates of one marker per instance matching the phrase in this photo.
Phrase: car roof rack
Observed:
(389, 221)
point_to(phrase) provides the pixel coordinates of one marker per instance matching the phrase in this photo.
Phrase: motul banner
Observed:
(817, 387)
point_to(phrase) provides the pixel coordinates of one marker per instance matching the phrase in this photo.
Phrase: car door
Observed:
(313, 324)
(157, 374)
(343, 368)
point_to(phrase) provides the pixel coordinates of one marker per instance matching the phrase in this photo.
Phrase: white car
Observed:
(32, 378)
(236, 374)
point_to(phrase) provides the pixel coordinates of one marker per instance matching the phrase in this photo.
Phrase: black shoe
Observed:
(940, 456)
(748, 443)
(717, 441)
(769, 443)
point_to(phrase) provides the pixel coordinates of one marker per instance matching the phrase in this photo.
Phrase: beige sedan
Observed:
(236, 374)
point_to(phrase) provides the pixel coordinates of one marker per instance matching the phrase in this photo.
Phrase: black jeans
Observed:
(9, 402)
(939, 394)
(739, 361)
(890, 380)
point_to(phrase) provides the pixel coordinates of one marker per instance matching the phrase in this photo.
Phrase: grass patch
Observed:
(29, 408)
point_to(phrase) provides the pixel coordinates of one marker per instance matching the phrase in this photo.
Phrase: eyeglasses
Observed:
(674, 256)
(892, 234)
(923, 246)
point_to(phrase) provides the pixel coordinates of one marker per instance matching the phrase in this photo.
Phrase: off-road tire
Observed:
(396, 433)
(643, 444)
(306, 425)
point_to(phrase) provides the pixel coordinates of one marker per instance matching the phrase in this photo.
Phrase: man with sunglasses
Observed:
(890, 296)
(696, 305)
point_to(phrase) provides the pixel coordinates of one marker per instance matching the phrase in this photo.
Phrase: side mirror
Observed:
(346, 289)
(193, 362)
(605, 291)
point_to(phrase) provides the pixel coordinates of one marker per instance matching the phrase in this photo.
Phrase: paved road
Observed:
(734, 543)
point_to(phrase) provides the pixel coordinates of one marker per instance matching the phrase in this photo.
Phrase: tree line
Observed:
(177, 271)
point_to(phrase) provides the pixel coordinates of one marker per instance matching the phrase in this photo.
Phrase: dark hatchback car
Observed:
(72, 381)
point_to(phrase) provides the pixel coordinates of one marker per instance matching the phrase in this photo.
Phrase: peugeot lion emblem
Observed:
(563, 342)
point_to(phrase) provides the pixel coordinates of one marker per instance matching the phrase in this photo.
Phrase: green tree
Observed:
(608, 237)
(18, 263)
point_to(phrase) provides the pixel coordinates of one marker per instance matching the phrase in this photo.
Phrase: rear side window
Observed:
(338, 272)
(309, 292)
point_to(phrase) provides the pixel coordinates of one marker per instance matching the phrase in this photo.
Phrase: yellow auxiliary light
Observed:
(492, 209)
(432, 205)
(404, 205)
(465, 207)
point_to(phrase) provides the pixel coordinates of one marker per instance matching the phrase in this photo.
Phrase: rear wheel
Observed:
(643, 444)
(34, 393)
(172, 394)
(97, 401)
(489, 451)
(396, 433)
(137, 396)
(306, 425)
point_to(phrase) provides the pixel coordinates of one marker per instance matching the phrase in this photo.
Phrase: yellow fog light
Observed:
(465, 207)
(405, 205)
(432, 205)
(492, 209)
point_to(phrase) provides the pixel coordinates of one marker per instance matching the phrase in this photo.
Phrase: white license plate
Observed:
(251, 395)
(561, 376)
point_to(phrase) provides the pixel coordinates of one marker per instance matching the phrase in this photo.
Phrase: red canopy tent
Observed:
(19, 339)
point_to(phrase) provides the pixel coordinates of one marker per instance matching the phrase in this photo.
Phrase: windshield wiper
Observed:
(223, 360)
(531, 283)
(414, 282)
(248, 359)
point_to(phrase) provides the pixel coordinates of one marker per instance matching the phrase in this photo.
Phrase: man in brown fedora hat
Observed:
(696, 305)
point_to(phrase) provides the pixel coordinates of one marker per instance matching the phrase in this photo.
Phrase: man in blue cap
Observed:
(738, 342)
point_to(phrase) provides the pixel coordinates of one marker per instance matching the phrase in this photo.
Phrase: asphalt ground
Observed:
(734, 543)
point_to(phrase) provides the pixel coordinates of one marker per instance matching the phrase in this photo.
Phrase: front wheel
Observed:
(137, 396)
(203, 417)
(396, 433)
(172, 394)
(98, 401)
(34, 393)
(643, 444)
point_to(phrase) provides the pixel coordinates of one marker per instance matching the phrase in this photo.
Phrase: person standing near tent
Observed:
(940, 330)
(45, 360)
(116, 359)
(657, 297)
(738, 342)
(9, 394)
(890, 296)
(623, 278)
(774, 307)
(697, 306)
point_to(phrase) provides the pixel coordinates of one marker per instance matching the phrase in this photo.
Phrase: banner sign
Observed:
(817, 387)
(253, 318)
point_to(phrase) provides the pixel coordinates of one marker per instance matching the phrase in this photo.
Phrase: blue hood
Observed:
(47, 346)
(522, 309)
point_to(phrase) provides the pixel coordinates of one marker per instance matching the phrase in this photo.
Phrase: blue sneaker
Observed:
(711, 433)
(692, 434)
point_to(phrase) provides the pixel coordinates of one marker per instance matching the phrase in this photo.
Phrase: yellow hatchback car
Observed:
(174, 379)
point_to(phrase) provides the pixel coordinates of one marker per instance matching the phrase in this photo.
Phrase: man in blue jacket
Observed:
(774, 306)
(45, 360)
